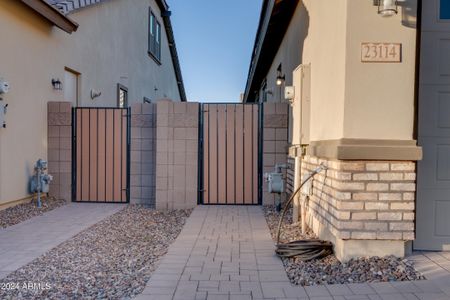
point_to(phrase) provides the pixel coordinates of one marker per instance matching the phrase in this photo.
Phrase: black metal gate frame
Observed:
(200, 172)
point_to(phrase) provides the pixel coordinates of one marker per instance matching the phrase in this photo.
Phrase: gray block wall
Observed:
(177, 155)
(143, 154)
(59, 158)
(275, 143)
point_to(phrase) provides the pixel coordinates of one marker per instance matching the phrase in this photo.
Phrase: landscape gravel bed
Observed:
(113, 259)
(22, 212)
(329, 270)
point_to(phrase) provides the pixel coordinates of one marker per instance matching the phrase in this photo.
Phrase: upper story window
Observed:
(445, 10)
(154, 37)
(122, 96)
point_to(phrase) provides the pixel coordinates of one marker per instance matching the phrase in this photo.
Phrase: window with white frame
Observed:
(154, 37)
(122, 96)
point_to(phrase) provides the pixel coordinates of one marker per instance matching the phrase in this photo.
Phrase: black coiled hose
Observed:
(303, 249)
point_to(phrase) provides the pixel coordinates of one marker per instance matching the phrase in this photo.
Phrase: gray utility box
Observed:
(275, 183)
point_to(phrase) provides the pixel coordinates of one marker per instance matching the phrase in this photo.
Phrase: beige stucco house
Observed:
(92, 53)
(370, 101)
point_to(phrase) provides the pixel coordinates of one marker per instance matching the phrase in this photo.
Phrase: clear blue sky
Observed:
(214, 41)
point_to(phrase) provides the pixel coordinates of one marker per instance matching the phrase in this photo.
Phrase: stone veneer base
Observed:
(348, 249)
(366, 208)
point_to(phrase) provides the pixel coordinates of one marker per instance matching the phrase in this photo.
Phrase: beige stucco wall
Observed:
(289, 56)
(350, 99)
(109, 47)
(317, 33)
(379, 98)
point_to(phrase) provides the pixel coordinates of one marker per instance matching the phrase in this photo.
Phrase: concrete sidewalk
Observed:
(24, 242)
(226, 252)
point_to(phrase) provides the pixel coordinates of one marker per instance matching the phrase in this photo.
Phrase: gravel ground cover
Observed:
(113, 259)
(329, 270)
(22, 212)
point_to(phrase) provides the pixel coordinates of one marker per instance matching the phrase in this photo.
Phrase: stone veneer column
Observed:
(59, 137)
(365, 207)
(143, 154)
(176, 155)
(275, 144)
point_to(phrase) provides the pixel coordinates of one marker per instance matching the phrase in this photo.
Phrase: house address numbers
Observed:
(381, 52)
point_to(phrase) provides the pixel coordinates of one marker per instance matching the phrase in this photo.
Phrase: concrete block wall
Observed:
(59, 136)
(363, 201)
(275, 143)
(143, 154)
(176, 155)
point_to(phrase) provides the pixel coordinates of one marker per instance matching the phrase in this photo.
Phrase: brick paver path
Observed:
(26, 241)
(226, 252)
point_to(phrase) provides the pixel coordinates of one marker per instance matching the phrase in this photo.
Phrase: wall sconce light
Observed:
(57, 85)
(95, 94)
(280, 78)
(386, 8)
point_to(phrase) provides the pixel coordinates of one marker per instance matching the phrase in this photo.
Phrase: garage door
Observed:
(433, 186)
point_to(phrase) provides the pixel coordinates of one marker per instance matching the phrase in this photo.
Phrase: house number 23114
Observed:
(381, 52)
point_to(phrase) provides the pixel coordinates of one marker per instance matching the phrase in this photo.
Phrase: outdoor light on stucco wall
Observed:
(280, 77)
(57, 85)
(387, 8)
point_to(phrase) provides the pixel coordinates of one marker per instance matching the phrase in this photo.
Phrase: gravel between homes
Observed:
(113, 259)
(329, 270)
(22, 212)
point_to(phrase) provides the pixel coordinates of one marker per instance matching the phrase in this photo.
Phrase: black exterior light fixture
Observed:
(386, 8)
(57, 85)
(280, 77)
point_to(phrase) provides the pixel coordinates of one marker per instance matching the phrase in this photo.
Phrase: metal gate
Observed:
(101, 144)
(230, 165)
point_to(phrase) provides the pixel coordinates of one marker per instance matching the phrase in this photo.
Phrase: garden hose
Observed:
(304, 250)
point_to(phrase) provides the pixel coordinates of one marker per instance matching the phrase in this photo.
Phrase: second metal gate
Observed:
(230, 171)
(101, 141)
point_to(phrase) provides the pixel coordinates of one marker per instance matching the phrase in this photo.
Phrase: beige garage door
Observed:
(433, 194)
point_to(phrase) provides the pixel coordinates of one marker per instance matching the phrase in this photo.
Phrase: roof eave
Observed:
(52, 15)
(162, 4)
(260, 34)
(273, 26)
(173, 52)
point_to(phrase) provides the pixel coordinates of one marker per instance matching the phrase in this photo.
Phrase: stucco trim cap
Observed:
(366, 149)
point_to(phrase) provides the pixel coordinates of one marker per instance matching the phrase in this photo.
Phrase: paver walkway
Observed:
(226, 252)
(24, 242)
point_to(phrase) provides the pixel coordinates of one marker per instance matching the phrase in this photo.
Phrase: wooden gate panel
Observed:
(85, 154)
(125, 169)
(101, 155)
(255, 152)
(205, 168)
(230, 154)
(101, 184)
(213, 183)
(248, 154)
(239, 154)
(109, 178)
(221, 154)
(117, 154)
(93, 152)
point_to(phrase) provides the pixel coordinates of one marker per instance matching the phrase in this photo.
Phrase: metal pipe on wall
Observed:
(297, 183)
